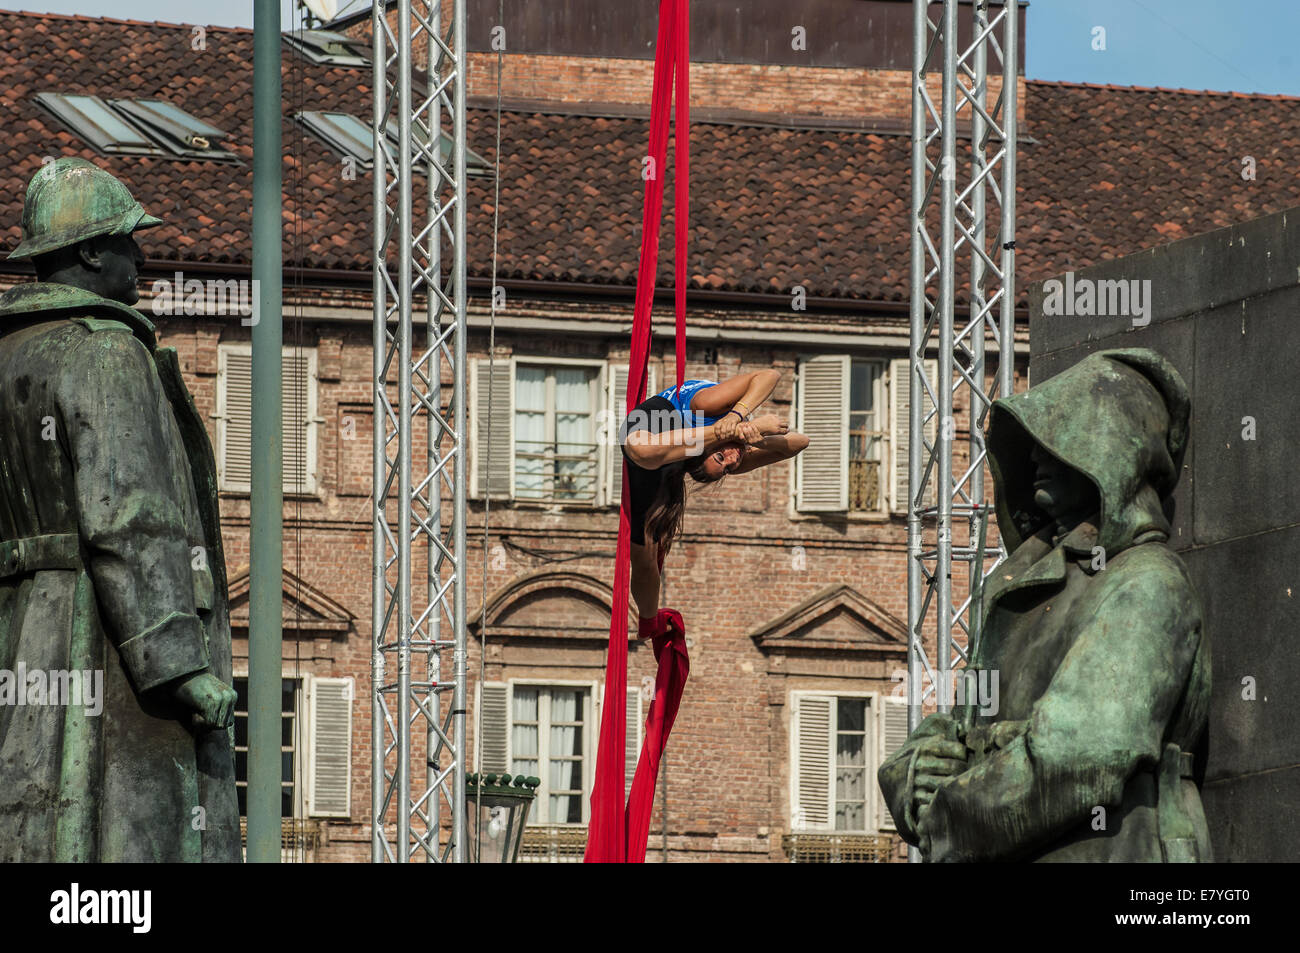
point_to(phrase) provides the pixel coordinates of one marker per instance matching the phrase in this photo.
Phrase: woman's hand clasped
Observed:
(727, 428)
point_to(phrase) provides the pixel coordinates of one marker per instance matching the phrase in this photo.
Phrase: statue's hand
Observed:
(938, 761)
(211, 699)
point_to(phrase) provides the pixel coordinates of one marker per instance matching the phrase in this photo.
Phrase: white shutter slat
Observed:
(297, 414)
(813, 790)
(494, 380)
(494, 722)
(893, 734)
(900, 384)
(330, 748)
(295, 384)
(617, 398)
(632, 751)
(821, 471)
(237, 419)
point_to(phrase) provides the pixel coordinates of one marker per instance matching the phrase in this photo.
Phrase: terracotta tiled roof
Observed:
(1109, 170)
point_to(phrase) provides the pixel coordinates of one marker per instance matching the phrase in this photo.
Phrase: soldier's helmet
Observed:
(71, 199)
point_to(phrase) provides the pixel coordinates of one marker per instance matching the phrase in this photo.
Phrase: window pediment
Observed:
(551, 604)
(304, 608)
(839, 618)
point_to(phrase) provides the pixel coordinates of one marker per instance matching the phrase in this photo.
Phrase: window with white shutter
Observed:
(492, 383)
(235, 418)
(292, 745)
(900, 418)
(329, 755)
(835, 745)
(893, 732)
(821, 471)
(632, 750)
(811, 796)
(615, 405)
(494, 726)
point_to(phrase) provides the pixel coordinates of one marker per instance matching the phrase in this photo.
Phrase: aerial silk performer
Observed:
(700, 428)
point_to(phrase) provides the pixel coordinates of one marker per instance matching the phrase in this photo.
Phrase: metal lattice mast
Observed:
(963, 224)
(418, 611)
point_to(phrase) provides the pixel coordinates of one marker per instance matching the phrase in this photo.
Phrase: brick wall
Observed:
(735, 571)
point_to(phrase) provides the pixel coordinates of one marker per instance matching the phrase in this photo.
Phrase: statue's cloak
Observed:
(1096, 637)
(110, 561)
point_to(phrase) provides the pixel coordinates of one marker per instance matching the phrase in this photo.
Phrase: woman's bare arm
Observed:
(773, 449)
(650, 451)
(749, 390)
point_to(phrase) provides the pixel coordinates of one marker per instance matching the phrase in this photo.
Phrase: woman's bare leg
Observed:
(645, 580)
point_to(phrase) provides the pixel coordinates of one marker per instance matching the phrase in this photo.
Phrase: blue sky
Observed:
(1242, 45)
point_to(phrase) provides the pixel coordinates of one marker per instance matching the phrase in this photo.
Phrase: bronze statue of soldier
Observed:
(1094, 630)
(110, 555)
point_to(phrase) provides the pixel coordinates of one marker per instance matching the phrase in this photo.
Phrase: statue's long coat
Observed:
(1103, 665)
(108, 479)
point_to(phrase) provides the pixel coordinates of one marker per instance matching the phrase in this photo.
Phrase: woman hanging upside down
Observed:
(705, 431)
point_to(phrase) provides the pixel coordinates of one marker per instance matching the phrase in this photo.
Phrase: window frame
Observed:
(592, 716)
(598, 387)
(335, 136)
(301, 744)
(176, 137)
(311, 486)
(85, 128)
(882, 411)
(872, 747)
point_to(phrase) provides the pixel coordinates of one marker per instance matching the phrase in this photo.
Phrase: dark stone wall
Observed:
(1226, 311)
(875, 34)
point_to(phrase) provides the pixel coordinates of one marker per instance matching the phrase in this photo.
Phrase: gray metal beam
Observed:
(948, 516)
(418, 742)
(267, 491)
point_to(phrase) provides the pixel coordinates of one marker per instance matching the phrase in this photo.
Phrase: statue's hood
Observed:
(1120, 417)
(46, 300)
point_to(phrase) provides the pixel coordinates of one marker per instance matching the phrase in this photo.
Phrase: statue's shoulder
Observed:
(42, 301)
(1154, 575)
(95, 325)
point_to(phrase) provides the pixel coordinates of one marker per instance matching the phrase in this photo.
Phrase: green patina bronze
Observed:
(110, 555)
(1094, 630)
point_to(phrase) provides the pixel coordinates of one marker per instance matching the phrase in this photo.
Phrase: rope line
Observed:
(487, 490)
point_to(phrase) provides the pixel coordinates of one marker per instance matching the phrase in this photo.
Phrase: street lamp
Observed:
(497, 811)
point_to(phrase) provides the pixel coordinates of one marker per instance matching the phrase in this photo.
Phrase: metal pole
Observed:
(976, 519)
(945, 306)
(462, 313)
(267, 491)
(1007, 231)
(379, 474)
(434, 313)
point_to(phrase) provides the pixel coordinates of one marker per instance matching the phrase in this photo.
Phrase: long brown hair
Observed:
(663, 520)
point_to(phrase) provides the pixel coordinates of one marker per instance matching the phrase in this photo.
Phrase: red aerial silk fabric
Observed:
(618, 834)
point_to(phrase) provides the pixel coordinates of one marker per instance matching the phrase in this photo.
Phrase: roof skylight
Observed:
(325, 46)
(150, 127)
(349, 135)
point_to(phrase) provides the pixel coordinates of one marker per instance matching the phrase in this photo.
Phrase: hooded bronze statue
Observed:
(1094, 630)
(111, 564)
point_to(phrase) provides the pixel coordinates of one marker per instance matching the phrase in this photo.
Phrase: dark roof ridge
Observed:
(1227, 93)
(82, 18)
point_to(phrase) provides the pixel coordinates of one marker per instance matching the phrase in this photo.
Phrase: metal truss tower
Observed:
(418, 609)
(963, 218)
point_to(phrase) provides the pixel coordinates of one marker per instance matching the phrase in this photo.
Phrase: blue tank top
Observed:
(682, 403)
